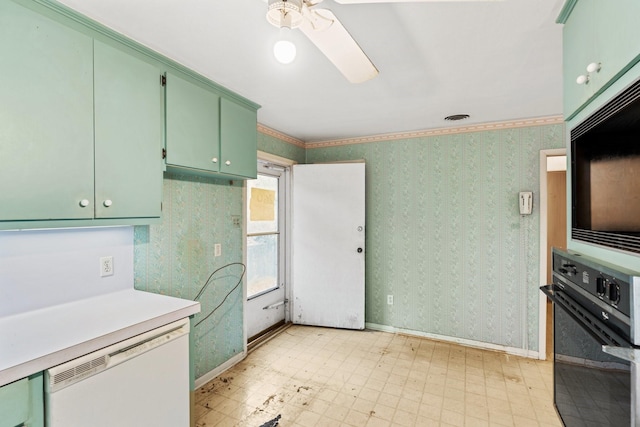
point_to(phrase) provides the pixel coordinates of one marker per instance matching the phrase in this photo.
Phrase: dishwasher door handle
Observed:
(83, 367)
(125, 354)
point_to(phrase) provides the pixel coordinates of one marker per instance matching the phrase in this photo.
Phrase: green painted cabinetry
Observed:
(128, 135)
(22, 403)
(82, 120)
(193, 126)
(238, 139)
(207, 134)
(46, 117)
(81, 126)
(601, 32)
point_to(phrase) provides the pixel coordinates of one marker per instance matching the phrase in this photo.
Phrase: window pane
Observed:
(262, 263)
(262, 206)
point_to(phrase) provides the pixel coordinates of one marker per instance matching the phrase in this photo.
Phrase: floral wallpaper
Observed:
(444, 236)
(444, 233)
(272, 144)
(176, 257)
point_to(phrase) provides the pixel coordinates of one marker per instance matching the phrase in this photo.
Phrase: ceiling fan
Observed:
(325, 31)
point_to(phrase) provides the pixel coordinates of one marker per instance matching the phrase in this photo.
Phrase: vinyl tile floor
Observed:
(329, 377)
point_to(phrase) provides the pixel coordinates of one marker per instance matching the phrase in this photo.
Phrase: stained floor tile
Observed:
(329, 377)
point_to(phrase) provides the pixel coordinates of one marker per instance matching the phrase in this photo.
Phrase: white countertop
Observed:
(36, 340)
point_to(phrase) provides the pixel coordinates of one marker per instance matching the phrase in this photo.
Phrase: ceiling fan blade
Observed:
(401, 1)
(329, 35)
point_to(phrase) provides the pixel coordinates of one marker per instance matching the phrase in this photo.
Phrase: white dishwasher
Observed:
(142, 381)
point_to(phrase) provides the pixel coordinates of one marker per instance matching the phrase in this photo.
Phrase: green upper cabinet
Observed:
(84, 119)
(128, 135)
(81, 126)
(46, 118)
(598, 32)
(208, 134)
(238, 139)
(193, 125)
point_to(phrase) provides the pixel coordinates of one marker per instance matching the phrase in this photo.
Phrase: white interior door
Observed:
(328, 240)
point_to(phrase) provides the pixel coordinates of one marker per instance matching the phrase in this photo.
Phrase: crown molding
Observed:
(513, 124)
(284, 137)
(566, 11)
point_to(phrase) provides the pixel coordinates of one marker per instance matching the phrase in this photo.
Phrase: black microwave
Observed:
(605, 174)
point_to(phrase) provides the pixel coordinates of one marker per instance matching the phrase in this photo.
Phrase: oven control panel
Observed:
(611, 290)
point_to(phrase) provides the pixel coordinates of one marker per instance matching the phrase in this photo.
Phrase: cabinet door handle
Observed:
(228, 162)
(582, 79)
(84, 203)
(214, 160)
(594, 67)
(107, 203)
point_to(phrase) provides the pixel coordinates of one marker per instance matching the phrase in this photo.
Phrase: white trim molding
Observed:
(220, 369)
(276, 160)
(542, 299)
(453, 340)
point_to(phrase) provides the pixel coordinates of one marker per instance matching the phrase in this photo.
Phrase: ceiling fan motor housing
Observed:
(285, 13)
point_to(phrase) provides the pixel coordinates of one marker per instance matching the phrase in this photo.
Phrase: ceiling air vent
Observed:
(457, 117)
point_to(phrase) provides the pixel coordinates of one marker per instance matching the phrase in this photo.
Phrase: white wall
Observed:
(39, 268)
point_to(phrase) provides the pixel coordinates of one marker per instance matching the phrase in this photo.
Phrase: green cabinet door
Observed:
(617, 37)
(598, 32)
(238, 139)
(46, 118)
(192, 125)
(128, 135)
(22, 402)
(578, 43)
(14, 403)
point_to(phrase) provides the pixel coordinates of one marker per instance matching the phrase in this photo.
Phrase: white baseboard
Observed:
(220, 369)
(465, 342)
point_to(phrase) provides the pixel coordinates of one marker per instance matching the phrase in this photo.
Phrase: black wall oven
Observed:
(595, 380)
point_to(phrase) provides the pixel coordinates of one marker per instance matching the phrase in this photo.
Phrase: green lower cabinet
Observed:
(22, 402)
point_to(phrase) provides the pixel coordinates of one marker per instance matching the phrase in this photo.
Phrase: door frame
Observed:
(285, 163)
(542, 299)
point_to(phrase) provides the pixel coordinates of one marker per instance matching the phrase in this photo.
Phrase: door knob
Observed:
(84, 203)
(359, 250)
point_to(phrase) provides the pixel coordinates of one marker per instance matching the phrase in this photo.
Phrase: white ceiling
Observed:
(495, 61)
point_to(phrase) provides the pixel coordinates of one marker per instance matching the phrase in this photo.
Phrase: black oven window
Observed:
(592, 388)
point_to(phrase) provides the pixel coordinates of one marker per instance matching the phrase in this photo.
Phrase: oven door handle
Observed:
(628, 354)
(601, 332)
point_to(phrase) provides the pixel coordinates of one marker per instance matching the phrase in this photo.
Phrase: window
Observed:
(263, 234)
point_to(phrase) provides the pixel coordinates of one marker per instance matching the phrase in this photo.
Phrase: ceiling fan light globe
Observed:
(284, 51)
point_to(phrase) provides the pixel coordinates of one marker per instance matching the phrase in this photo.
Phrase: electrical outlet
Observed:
(217, 249)
(390, 299)
(106, 266)
(237, 220)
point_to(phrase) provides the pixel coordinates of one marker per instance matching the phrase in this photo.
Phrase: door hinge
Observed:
(163, 80)
(164, 153)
